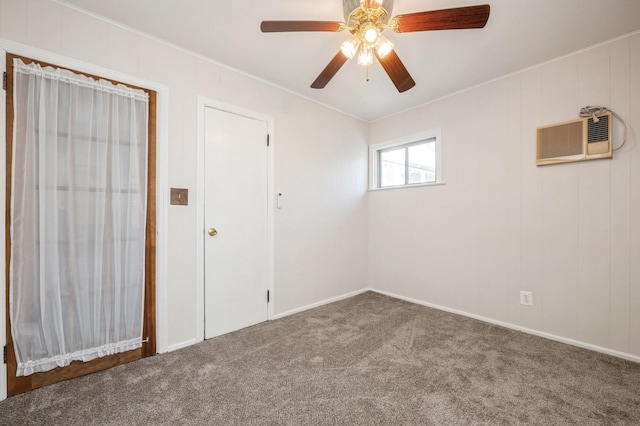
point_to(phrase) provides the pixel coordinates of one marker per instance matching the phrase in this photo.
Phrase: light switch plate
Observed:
(179, 196)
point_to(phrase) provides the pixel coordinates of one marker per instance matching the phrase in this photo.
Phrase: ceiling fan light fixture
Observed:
(366, 20)
(366, 56)
(350, 47)
(371, 34)
(384, 47)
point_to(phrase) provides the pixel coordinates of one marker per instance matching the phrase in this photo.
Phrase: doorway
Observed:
(17, 384)
(236, 217)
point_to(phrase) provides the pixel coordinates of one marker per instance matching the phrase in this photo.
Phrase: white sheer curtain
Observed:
(78, 217)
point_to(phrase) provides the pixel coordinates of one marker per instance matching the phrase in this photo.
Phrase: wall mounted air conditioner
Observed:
(577, 140)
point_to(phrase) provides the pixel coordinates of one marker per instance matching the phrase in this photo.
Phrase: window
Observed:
(412, 160)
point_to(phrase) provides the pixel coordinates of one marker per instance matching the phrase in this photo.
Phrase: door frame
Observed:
(204, 103)
(162, 185)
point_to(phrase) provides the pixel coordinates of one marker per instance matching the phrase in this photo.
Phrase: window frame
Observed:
(404, 142)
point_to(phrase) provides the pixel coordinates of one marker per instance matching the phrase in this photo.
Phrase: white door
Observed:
(236, 226)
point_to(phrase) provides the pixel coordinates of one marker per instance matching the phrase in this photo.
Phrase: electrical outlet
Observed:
(526, 298)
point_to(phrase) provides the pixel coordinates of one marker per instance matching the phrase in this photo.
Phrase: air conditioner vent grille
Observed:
(598, 132)
(575, 140)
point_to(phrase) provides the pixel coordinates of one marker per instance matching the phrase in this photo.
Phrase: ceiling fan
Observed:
(366, 20)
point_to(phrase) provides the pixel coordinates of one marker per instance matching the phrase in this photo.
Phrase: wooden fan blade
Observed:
(396, 71)
(329, 71)
(458, 18)
(289, 26)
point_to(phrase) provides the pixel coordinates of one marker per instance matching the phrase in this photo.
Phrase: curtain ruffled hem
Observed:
(46, 364)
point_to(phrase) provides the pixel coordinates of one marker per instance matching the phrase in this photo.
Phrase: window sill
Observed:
(415, 185)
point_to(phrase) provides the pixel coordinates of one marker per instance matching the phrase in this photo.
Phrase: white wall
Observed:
(569, 233)
(320, 234)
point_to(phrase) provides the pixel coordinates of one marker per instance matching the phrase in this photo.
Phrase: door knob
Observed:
(213, 232)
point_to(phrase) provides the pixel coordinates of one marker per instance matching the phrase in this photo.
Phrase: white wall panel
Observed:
(321, 231)
(123, 50)
(147, 58)
(513, 257)
(594, 199)
(13, 20)
(560, 250)
(500, 231)
(445, 254)
(594, 250)
(560, 208)
(483, 184)
(84, 37)
(44, 25)
(634, 149)
(461, 166)
(208, 78)
(531, 200)
(620, 214)
(593, 76)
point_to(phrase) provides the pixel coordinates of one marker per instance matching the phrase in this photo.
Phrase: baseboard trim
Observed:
(595, 348)
(182, 345)
(321, 303)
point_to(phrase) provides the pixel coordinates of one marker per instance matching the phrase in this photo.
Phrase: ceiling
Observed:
(519, 34)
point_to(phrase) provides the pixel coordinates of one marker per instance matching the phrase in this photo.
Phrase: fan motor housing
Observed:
(349, 6)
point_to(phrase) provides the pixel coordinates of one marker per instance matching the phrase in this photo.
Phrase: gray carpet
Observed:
(368, 360)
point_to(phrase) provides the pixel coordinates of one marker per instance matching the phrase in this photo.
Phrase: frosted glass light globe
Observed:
(371, 35)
